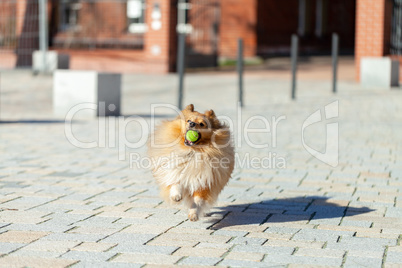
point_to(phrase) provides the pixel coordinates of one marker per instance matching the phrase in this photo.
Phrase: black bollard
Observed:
(335, 49)
(293, 54)
(240, 69)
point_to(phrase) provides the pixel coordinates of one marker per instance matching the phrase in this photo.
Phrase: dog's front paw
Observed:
(193, 216)
(176, 198)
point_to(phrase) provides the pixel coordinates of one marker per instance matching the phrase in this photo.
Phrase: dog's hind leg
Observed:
(198, 204)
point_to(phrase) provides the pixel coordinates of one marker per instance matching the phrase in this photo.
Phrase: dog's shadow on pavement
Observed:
(311, 209)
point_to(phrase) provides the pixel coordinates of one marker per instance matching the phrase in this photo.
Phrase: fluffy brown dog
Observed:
(192, 171)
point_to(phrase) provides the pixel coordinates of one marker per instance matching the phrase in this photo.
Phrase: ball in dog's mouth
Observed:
(191, 134)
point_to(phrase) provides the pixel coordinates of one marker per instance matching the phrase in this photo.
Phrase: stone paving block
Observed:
(6, 248)
(102, 264)
(175, 243)
(119, 214)
(195, 237)
(308, 260)
(138, 239)
(21, 236)
(146, 258)
(245, 256)
(394, 257)
(264, 249)
(92, 246)
(212, 245)
(195, 231)
(88, 256)
(230, 233)
(106, 231)
(47, 245)
(366, 224)
(368, 241)
(26, 217)
(74, 237)
(269, 236)
(320, 235)
(394, 212)
(289, 218)
(362, 252)
(241, 263)
(247, 241)
(326, 253)
(200, 252)
(202, 261)
(126, 247)
(376, 235)
(39, 254)
(22, 261)
(293, 244)
(353, 261)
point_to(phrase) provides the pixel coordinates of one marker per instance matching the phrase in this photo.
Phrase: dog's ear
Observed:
(190, 108)
(210, 113)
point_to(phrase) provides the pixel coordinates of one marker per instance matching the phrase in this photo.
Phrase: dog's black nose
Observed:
(192, 124)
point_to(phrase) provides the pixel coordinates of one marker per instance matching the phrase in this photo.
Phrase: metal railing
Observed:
(68, 24)
(396, 28)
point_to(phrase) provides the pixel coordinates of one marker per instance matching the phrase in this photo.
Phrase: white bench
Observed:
(378, 72)
(54, 61)
(71, 88)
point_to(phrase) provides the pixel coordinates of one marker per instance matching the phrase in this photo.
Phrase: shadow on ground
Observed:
(310, 208)
(33, 121)
(167, 116)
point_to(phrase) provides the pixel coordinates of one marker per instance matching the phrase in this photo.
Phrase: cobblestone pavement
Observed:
(67, 206)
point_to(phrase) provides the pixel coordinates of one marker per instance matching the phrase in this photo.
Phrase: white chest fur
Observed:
(193, 171)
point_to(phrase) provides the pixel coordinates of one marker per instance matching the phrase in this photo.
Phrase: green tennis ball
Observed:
(192, 135)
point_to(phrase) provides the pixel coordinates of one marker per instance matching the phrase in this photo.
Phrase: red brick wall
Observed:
(238, 20)
(101, 22)
(164, 38)
(373, 18)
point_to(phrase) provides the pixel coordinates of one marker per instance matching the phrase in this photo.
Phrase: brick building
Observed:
(140, 35)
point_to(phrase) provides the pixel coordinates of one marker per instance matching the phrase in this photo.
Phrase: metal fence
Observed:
(91, 24)
(72, 24)
(19, 32)
(202, 38)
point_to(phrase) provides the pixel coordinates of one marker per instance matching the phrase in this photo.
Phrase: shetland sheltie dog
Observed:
(192, 170)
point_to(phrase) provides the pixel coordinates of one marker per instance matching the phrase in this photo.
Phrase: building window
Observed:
(136, 16)
(69, 10)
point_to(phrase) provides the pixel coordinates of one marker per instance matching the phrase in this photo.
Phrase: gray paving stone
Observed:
(264, 249)
(6, 248)
(88, 256)
(394, 212)
(320, 235)
(363, 262)
(247, 241)
(138, 239)
(230, 233)
(240, 263)
(127, 247)
(306, 260)
(101, 264)
(394, 257)
(74, 237)
(204, 261)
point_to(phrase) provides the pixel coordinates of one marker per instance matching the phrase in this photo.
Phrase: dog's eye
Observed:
(202, 124)
(188, 121)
